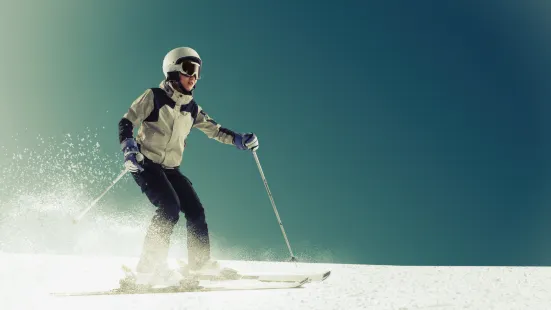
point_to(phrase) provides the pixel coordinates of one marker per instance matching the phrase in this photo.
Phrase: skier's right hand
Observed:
(132, 156)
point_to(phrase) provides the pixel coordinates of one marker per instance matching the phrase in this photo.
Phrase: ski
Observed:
(192, 283)
(230, 274)
(232, 286)
(268, 277)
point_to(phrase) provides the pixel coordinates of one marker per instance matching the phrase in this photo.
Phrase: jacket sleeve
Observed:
(138, 111)
(212, 129)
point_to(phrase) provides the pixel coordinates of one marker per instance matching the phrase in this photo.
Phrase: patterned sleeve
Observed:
(212, 129)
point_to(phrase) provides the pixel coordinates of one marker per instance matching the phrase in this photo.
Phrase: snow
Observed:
(26, 281)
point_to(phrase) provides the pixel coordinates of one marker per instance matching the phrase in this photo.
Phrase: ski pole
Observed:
(77, 218)
(293, 258)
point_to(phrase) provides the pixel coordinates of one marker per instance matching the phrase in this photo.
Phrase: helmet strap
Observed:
(174, 79)
(173, 76)
(179, 87)
(182, 89)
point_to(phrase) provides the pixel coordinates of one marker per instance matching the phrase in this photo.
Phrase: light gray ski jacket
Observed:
(165, 118)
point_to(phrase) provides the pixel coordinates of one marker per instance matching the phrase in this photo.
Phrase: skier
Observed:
(165, 116)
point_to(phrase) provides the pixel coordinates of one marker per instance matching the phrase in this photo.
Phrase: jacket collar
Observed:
(180, 98)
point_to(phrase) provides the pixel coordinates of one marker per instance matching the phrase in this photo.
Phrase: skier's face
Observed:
(188, 81)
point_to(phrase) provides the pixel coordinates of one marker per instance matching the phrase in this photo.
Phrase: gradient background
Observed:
(391, 132)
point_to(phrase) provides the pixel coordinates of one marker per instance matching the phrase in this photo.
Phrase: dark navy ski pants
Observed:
(171, 192)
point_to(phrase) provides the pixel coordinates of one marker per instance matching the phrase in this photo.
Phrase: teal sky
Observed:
(391, 132)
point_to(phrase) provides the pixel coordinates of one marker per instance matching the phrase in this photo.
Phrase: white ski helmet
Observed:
(172, 63)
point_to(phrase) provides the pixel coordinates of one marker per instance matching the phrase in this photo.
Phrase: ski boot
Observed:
(162, 279)
(209, 270)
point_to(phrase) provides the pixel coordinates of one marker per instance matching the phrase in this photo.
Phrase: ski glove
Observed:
(247, 141)
(132, 155)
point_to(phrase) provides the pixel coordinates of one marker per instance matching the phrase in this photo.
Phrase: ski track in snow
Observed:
(26, 281)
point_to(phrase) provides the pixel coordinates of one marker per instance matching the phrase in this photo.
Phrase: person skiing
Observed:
(165, 116)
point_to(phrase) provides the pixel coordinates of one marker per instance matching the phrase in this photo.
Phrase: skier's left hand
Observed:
(247, 141)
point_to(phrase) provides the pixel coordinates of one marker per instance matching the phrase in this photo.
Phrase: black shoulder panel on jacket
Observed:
(192, 108)
(160, 98)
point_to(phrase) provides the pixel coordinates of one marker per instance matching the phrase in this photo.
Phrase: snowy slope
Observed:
(26, 281)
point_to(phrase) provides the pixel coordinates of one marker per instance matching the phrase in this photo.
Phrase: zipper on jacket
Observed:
(175, 115)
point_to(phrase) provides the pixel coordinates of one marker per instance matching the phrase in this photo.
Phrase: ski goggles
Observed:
(190, 68)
